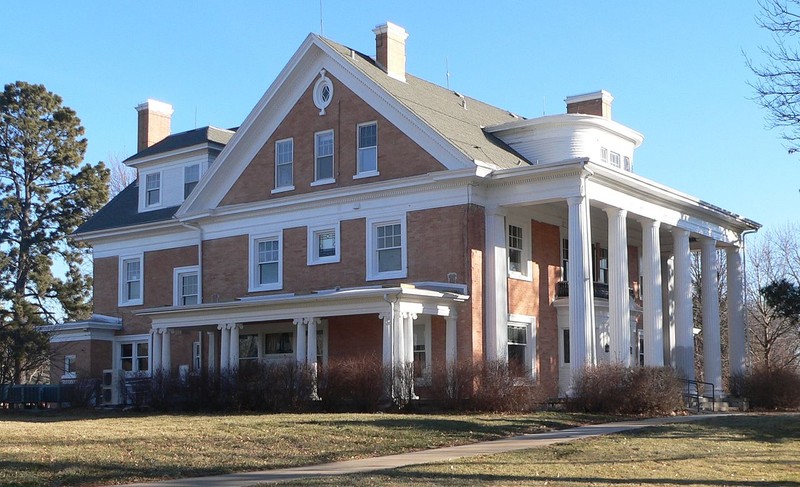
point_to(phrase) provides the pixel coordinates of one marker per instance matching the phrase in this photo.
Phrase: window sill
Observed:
(282, 189)
(386, 275)
(265, 287)
(366, 174)
(324, 260)
(520, 276)
(130, 303)
(323, 182)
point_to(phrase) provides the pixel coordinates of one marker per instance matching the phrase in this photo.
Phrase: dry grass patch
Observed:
(753, 450)
(63, 449)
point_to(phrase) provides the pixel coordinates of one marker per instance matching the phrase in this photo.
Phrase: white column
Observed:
(684, 325)
(618, 295)
(668, 308)
(212, 351)
(399, 340)
(651, 295)
(408, 334)
(156, 352)
(224, 346)
(496, 291)
(712, 349)
(311, 355)
(388, 339)
(166, 358)
(450, 349)
(233, 355)
(300, 346)
(736, 326)
(581, 295)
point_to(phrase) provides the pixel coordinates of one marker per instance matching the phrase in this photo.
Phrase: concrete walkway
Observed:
(419, 457)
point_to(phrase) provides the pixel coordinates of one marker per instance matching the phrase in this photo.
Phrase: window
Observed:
(323, 244)
(602, 265)
(367, 149)
(614, 159)
(386, 249)
(266, 266)
(69, 367)
(604, 154)
(628, 166)
(323, 150)
(248, 347)
(564, 259)
(187, 286)
(278, 343)
(191, 175)
(422, 359)
(152, 189)
(133, 357)
(131, 281)
(197, 360)
(517, 349)
(515, 248)
(565, 345)
(284, 160)
(640, 353)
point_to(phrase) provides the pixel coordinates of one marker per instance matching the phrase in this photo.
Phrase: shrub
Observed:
(616, 389)
(352, 384)
(773, 388)
(452, 385)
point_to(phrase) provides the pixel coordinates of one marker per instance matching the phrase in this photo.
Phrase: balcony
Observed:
(600, 289)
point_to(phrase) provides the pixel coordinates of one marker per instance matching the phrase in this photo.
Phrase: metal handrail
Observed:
(697, 395)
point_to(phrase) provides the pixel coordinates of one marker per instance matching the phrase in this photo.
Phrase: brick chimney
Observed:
(390, 49)
(154, 123)
(597, 103)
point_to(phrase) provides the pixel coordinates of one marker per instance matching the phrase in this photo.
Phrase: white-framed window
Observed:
(614, 159)
(324, 244)
(640, 347)
(514, 248)
(564, 342)
(323, 92)
(628, 165)
(248, 347)
(131, 279)
(152, 189)
(521, 345)
(197, 357)
(284, 164)
(602, 266)
(70, 371)
(422, 350)
(278, 343)
(323, 157)
(134, 357)
(186, 289)
(386, 249)
(266, 263)
(367, 157)
(518, 241)
(604, 155)
(564, 259)
(191, 176)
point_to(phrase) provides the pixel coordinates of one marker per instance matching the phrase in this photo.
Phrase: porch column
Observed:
(450, 350)
(408, 335)
(651, 294)
(684, 333)
(618, 295)
(712, 349)
(224, 346)
(156, 352)
(311, 355)
(581, 292)
(496, 287)
(399, 339)
(668, 307)
(388, 339)
(300, 346)
(736, 327)
(233, 355)
(166, 358)
(212, 351)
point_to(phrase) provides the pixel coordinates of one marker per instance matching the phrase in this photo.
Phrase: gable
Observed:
(398, 155)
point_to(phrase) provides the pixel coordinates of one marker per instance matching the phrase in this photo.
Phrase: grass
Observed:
(731, 451)
(93, 448)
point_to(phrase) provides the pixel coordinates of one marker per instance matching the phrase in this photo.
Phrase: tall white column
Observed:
(388, 338)
(684, 321)
(450, 349)
(668, 308)
(712, 349)
(496, 290)
(736, 324)
(618, 295)
(233, 356)
(224, 346)
(212, 351)
(156, 352)
(311, 355)
(581, 295)
(408, 335)
(300, 345)
(399, 339)
(651, 295)
(166, 357)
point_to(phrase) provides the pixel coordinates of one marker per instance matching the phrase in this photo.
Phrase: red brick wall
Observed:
(353, 337)
(398, 156)
(225, 262)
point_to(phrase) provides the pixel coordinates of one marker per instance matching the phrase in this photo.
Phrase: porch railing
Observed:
(697, 395)
(36, 394)
(600, 289)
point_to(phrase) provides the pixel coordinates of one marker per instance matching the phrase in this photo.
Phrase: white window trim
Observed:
(160, 190)
(312, 247)
(424, 321)
(263, 330)
(288, 187)
(366, 174)
(176, 284)
(123, 298)
(527, 264)
(529, 322)
(122, 339)
(69, 374)
(317, 181)
(254, 285)
(199, 175)
(372, 248)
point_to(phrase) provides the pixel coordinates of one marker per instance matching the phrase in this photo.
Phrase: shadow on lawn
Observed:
(764, 428)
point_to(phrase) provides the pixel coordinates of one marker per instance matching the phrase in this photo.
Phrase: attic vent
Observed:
(323, 92)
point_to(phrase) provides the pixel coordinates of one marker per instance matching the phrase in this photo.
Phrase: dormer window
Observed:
(614, 159)
(153, 189)
(191, 175)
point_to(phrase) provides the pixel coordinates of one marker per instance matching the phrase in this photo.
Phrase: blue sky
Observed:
(676, 69)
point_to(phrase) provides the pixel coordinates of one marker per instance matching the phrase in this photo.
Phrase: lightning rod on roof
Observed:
(321, 25)
(447, 71)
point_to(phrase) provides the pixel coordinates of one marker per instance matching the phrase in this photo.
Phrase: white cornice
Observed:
(570, 120)
(177, 153)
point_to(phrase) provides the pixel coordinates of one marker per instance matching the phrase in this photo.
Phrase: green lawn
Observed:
(90, 449)
(737, 451)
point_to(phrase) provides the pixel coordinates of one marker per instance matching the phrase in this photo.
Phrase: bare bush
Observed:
(769, 388)
(616, 389)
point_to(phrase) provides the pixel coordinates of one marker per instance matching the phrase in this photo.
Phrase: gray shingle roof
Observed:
(123, 211)
(203, 135)
(443, 110)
